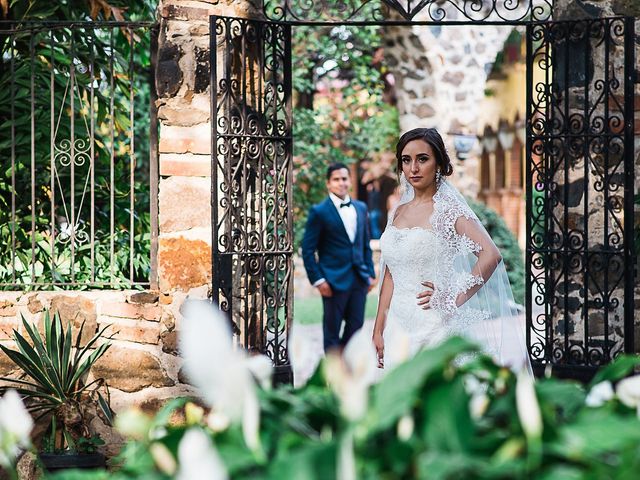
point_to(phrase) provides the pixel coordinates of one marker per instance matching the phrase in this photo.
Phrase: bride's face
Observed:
(419, 164)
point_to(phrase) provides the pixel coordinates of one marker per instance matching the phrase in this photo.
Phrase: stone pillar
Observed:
(182, 83)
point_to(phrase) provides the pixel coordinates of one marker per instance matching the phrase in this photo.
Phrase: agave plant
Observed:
(54, 382)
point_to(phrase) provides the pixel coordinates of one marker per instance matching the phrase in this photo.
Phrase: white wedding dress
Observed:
(410, 255)
(445, 255)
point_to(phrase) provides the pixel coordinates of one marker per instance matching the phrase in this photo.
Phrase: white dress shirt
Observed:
(349, 218)
(348, 215)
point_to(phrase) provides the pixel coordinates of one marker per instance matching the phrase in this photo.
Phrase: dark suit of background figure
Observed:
(346, 263)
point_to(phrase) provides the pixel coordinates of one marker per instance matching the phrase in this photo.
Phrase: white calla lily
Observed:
(163, 458)
(133, 423)
(478, 405)
(301, 354)
(223, 374)
(527, 405)
(198, 458)
(360, 358)
(15, 427)
(628, 391)
(406, 426)
(351, 375)
(261, 368)
(600, 394)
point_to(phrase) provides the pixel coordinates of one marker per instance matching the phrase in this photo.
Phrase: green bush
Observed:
(508, 245)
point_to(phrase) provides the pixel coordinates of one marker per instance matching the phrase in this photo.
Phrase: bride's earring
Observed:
(438, 177)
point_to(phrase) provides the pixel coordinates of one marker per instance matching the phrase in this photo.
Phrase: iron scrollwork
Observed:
(580, 152)
(381, 11)
(252, 182)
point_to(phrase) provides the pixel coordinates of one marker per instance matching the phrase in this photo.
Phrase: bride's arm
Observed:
(386, 292)
(488, 257)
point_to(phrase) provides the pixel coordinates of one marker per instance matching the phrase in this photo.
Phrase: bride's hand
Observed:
(378, 342)
(425, 297)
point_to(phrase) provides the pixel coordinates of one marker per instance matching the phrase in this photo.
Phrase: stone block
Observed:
(183, 263)
(168, 321)
(170, 342)
(168, 76)
(166, 299)
(74, 311)
(187, 110)
(178, 192)
(137, 331)
(131, 370)
(178, 139)
(7, 325)
(7, 309)
(144, 297)
(131, 310)
(34, 304)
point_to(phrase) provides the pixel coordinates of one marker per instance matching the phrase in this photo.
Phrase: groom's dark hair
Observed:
(433, 138)
(333, 167)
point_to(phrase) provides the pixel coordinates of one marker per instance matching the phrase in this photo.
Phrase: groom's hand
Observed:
(325, 289)
(425, 297)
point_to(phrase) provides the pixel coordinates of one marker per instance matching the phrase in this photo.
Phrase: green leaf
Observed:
(447, 426)
(312, 461)
(621, 367)
(400, 389)
(439, 465)
(559, 400)
(597, 432)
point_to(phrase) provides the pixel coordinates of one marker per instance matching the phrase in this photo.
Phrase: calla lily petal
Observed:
(600, 394)
(527, 405)
(198, 458)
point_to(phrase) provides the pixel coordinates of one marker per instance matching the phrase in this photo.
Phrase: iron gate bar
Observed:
(251, 186)
(629, 235)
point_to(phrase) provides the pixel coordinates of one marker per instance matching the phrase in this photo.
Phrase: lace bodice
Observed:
(410, 254)
(411, 257)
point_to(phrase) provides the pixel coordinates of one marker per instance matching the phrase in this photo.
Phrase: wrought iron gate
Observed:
(580, 193)
(579, 300)
(252, 182)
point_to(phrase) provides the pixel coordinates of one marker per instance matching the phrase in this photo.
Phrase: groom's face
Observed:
(339, 182)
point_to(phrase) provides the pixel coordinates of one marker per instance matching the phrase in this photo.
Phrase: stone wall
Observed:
(141, 367)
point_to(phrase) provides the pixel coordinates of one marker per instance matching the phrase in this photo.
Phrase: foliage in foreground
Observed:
(432, 417)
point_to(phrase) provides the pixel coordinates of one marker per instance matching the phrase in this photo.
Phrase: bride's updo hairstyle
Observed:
(433, 138)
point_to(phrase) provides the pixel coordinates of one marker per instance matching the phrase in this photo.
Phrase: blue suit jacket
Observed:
(339, 261)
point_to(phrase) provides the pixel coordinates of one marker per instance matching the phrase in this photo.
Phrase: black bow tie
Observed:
(345, 204)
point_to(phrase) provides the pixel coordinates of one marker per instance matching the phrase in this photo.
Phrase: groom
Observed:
(337, 231)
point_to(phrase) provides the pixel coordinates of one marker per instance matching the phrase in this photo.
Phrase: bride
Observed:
(442, 275)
